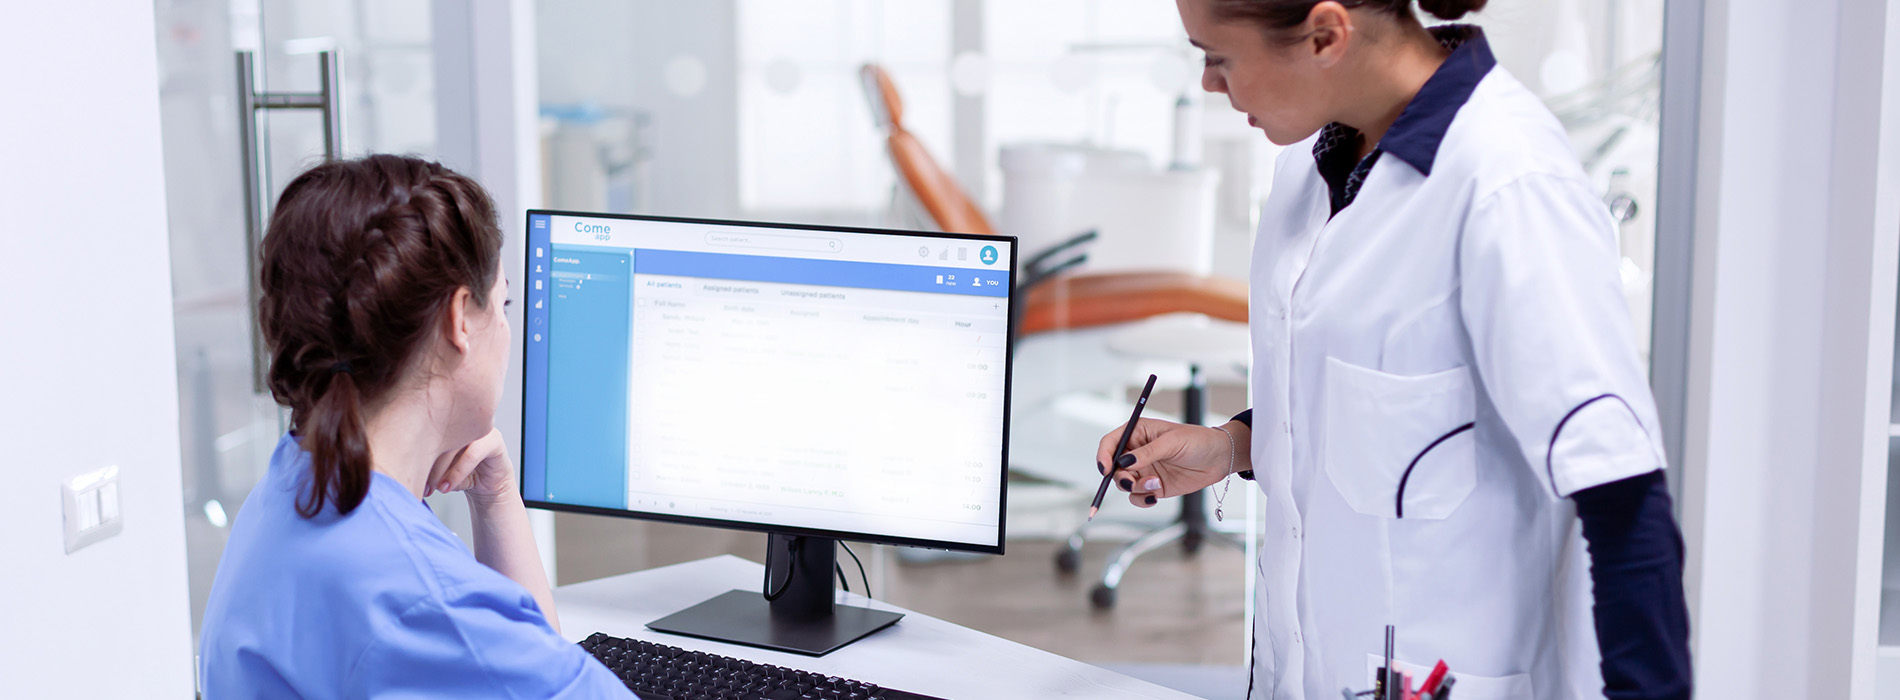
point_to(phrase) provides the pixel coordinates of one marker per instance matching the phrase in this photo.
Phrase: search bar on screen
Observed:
(775, 241)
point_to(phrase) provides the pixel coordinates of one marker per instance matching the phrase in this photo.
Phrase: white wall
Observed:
(616, 53)
(87, 375)
(1791, 346)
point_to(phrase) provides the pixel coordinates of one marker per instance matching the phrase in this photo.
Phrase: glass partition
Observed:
(1042, 112)
(1598, 65)
(228, 423)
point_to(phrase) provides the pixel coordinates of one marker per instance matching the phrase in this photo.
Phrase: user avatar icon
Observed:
(988, 255)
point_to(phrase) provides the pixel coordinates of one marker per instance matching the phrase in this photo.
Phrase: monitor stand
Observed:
(804, 619)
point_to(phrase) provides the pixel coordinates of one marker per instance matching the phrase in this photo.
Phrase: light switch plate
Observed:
(91, 505)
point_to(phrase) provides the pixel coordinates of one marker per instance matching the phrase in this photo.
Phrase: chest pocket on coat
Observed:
(1400, 446)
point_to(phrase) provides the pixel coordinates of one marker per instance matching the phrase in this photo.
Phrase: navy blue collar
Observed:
(1420, 129)
(1416, 135)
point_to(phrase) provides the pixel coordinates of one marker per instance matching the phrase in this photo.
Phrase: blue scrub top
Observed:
(383, 602)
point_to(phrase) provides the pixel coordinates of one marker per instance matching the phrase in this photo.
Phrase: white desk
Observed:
(920, 654)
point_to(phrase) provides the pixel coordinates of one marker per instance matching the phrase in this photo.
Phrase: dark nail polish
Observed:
(1100, 469)
(1151, 500)
(1127, 484)
(1125, 461)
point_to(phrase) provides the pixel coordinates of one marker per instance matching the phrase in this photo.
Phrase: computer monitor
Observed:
(815, 383)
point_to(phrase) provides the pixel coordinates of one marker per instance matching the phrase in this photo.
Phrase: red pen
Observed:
(1431, 681)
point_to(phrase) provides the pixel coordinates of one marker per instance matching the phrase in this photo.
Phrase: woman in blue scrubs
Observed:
(382, 306)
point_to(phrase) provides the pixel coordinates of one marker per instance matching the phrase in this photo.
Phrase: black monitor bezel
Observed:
(1009, 368)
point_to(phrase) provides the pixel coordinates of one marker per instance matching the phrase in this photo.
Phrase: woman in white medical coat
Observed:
(1450, 423)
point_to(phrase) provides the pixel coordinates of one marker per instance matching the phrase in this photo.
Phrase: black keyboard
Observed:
(661, 672)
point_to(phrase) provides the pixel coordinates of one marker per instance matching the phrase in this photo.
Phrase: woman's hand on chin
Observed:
(481, 469)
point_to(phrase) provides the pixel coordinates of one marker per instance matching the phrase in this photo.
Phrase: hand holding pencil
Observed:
(1164, 459)
(1121, 447)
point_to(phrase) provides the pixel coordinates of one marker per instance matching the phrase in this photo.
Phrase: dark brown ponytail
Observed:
(1286, 14)
(333, 433)
(361, 260)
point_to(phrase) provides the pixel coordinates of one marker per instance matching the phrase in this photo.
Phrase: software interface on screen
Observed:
(838, 381)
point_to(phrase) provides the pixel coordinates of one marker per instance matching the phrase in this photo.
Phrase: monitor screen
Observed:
(846, 383)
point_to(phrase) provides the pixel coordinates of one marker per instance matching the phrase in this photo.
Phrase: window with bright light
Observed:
(806, 136)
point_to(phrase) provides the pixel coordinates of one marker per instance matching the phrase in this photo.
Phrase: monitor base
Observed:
(744, 617)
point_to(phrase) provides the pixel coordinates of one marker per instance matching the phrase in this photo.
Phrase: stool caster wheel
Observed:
(1068, 560)
(1102, 597)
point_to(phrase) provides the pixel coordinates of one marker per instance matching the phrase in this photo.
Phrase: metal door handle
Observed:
(328, 100)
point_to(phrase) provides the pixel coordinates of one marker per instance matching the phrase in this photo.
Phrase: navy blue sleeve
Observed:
(1642, 617)
(1246, 419)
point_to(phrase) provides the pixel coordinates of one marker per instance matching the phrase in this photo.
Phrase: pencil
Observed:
(1109, 476)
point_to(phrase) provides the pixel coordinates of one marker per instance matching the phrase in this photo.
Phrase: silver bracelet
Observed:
(1220, 500)
(1231, 450)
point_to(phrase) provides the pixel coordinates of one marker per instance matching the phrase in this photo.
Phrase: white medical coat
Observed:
(1436, 369)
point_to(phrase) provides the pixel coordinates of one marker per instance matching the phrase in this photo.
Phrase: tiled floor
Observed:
(1173, 609)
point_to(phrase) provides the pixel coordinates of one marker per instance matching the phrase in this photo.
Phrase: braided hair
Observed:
(360, 262)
